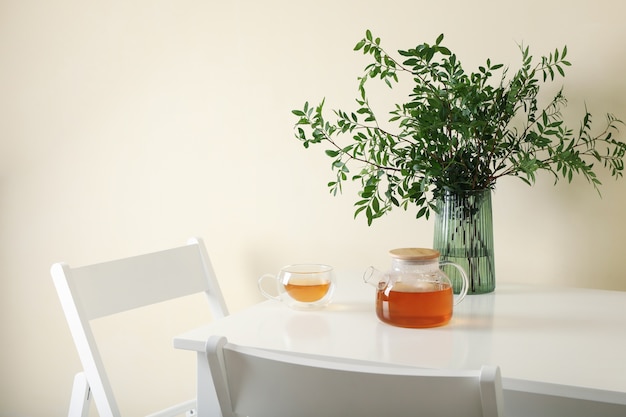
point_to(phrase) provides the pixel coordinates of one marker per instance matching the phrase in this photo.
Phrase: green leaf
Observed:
(338, 164)
(359, 210)
(359, 45)
(375, 205)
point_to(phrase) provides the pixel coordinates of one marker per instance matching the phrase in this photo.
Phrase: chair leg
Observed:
(79, 403)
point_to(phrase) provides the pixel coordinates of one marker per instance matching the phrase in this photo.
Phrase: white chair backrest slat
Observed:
(112, 287)
(263, 383)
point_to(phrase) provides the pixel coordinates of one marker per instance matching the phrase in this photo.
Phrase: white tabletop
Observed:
(569, 336)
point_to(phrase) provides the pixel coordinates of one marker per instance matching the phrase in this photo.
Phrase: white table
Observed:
(562, 351)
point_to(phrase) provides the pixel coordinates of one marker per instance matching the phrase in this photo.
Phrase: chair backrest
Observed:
(265, 383)
(98, 290)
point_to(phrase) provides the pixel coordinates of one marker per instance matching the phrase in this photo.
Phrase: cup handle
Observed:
(265, 293)
(465, 285)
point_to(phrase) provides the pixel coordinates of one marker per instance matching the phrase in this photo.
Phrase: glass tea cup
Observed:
(301, 286)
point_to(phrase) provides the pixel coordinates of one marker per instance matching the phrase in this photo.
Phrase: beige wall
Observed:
(128, 126)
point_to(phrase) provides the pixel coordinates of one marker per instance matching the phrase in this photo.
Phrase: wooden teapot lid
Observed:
(414, 254)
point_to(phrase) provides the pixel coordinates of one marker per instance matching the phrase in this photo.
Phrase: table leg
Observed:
(207, 403)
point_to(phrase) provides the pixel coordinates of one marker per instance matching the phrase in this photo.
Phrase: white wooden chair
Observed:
(99, 290)
(264, 383)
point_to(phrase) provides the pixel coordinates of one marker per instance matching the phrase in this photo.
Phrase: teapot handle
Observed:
(374, 277)
(465, 285)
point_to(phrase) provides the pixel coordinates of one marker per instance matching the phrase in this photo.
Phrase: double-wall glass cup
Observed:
(300, 286)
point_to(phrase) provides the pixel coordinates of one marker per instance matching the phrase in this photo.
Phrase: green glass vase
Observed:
(464, 235)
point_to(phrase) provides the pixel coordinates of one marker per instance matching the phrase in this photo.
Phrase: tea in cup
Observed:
(301, 286)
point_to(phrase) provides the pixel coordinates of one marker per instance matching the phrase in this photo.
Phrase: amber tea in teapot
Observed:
(406, 306)
(415, 292)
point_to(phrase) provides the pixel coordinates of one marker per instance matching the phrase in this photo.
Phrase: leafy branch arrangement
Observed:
(457, 132)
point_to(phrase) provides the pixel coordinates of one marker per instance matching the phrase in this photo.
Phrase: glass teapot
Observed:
(415, 292)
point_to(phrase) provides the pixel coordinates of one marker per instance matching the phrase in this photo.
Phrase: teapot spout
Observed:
(375, 278)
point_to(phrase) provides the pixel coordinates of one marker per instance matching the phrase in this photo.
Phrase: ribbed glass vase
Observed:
(464, 235)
